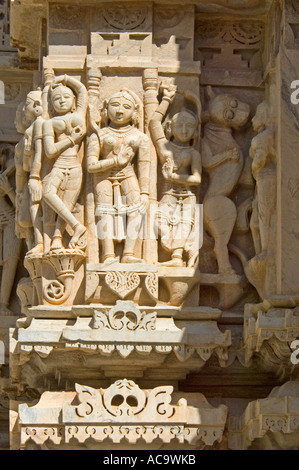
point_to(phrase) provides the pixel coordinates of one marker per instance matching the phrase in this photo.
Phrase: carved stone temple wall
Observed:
(149, 216)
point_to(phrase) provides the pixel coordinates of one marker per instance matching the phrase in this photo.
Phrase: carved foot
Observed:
(175, 262)
(38, 249)
(227, 270)
(111, 259)
(5, 312)
(193, 259)
(131, 259)
(56, 244)
(77, 238)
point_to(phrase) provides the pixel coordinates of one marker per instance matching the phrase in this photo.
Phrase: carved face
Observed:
(120, 110)
(62, 99)
(33, 106)
(183, 127)
(228, 111)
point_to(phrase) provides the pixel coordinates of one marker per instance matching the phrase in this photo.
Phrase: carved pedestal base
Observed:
(145, 284)
(98, 346)
(121, 411)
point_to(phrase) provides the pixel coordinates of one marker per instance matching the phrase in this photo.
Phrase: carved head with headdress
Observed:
(183, 126)
(123, 108)
(33, 105)
(62, 99)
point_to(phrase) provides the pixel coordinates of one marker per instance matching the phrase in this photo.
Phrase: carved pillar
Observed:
(150, 85)
(286, 60)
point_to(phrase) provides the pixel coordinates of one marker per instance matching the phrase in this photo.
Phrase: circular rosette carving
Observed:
(122, 283)
(169, 17)
(123, 18)
(54, 291)
(124, 399)
(208, 30)
(248, 32)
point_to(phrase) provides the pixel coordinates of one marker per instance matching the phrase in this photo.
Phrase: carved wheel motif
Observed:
(124, 18)
(68, 17)
(169, 17)
(247, 32)
(54, 291)
(243, 32)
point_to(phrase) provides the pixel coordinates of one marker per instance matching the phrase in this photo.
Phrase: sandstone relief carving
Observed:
(223, 160)
(62, 138)
(121, 195)
(10, 245)
(177, 148)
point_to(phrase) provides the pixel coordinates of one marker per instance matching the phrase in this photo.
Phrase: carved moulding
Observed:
(268, 333)
(274, 421)
(122, 411)
(142, 283)
(155, 345)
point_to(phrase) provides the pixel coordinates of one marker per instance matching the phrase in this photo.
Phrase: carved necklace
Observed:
(123, 131)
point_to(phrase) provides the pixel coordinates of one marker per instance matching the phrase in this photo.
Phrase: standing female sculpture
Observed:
(62, 138)
(181, 168)
(118, 191)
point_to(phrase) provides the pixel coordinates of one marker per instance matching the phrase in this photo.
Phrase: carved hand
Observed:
(5, 186)
(167, 169)
(144, 199)
(169, 91)
(124, 156)
(77, 134)
(235, 154)
(35, 189)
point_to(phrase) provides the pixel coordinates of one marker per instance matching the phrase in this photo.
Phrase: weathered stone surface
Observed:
(148, 224)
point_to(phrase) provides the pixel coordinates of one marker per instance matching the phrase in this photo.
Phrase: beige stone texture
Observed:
(148, 225)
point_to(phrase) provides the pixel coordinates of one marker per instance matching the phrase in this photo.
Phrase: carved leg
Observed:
(254, 227)
(134, 222)
(131, 195)
(266, 206)
(63, 208)
(35, 211)
(220, 216)
(105, 224)
(11, 254)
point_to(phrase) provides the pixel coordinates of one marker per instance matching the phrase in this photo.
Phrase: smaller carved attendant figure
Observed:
(181, 168)
(28, 157)
(262, 152)
(27, 150)
(118, 192)
(62, 138)
(11, 245)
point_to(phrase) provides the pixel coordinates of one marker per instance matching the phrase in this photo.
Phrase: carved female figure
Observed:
(118, 192)
(11, 245)
(262, 152)
(27, 151)
(181, 168)
(62, 138)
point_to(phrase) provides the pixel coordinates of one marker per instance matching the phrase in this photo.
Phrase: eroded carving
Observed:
(222, 159)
